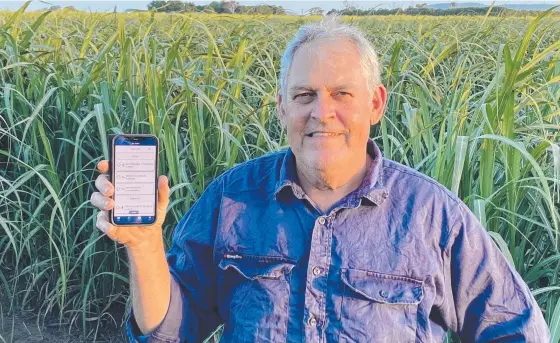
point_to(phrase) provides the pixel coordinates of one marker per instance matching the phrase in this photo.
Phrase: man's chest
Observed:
(287, 273)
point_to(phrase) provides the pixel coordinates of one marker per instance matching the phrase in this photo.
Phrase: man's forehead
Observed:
(331, 79)
(331, 64)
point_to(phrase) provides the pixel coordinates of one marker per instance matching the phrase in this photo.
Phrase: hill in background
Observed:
(518, 7)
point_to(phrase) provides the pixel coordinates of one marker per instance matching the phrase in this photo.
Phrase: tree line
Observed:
(422, 10)
(225, 6)
(232, 6)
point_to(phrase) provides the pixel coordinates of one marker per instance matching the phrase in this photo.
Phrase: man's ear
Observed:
(378, 103)
(280, 111)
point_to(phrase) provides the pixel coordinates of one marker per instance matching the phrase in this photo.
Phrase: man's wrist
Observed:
(151, 246)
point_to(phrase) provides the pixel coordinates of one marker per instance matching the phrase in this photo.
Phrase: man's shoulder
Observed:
(257, 174)
(399, 176)
(421, 194)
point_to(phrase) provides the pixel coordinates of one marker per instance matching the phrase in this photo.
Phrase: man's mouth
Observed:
(322, 134)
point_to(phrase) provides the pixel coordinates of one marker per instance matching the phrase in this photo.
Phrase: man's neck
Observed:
(328, 187)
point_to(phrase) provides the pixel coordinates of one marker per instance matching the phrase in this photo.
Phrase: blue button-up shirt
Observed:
(399, 259)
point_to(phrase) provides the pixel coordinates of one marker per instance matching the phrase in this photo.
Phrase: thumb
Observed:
(163, 198)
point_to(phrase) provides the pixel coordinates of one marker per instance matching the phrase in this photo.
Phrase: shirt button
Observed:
(316, 271)
(312, 321)
(384, 294)
(322, 220)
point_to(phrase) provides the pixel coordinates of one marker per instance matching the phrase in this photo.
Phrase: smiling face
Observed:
(328, 109)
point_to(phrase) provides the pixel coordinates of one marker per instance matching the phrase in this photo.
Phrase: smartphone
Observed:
(133, 169)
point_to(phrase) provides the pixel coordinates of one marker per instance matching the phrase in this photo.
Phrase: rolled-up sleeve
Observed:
(168, 330)
(485, 299)
(192, 314)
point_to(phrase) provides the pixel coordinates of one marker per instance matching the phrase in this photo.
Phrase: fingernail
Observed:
(105, 203)
(106, 189)
(103, 225)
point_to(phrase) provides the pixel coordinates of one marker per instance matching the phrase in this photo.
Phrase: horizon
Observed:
(290, 6)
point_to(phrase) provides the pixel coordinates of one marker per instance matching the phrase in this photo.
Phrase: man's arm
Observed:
(191, 310)
(150, 284)
(485, 299)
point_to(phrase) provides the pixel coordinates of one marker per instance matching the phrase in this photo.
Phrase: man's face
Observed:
(328, 110)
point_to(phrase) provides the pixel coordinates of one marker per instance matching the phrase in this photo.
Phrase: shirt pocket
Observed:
(378, 307)
(257, 293)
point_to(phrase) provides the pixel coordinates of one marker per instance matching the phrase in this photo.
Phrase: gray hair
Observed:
(329, 28)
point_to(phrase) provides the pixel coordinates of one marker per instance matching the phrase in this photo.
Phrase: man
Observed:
(326, 241)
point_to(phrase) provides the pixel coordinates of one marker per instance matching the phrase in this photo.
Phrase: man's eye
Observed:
(303, 95)
(342, 93)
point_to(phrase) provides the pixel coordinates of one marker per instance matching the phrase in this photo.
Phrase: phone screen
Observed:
(134, 179)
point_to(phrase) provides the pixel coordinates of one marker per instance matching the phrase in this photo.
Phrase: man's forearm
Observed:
(150, 283)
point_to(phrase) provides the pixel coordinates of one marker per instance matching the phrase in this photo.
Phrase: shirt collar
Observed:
(288, 176)
(372, 187)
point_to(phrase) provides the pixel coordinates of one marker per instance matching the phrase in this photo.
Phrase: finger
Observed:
(103, 166)
(102, 222)
(106, 227)
(113, 233)
(103, 184)
(163, 192)
(101, 202)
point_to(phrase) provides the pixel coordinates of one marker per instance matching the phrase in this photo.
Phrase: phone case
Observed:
(110, 138)
(110, 172)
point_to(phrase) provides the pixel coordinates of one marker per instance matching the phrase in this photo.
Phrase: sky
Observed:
(295, 6)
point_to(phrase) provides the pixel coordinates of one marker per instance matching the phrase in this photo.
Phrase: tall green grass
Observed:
(474, 103)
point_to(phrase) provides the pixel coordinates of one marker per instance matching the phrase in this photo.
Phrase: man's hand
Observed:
(133, 237)
(150, 279)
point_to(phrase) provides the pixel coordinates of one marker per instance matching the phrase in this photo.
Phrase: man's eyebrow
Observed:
(346, 86)
(308, 88)
(300, 87)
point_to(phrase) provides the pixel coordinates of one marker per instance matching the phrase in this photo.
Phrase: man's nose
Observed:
(324, 107)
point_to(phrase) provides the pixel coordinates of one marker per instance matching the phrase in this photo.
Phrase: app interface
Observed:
(135, 171)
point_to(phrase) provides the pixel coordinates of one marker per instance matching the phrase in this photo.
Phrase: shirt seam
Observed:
(446, 252)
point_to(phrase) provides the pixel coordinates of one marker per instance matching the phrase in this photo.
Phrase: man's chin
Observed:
(327, 161)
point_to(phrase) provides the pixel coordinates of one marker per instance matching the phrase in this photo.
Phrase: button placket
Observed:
(316, 286)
